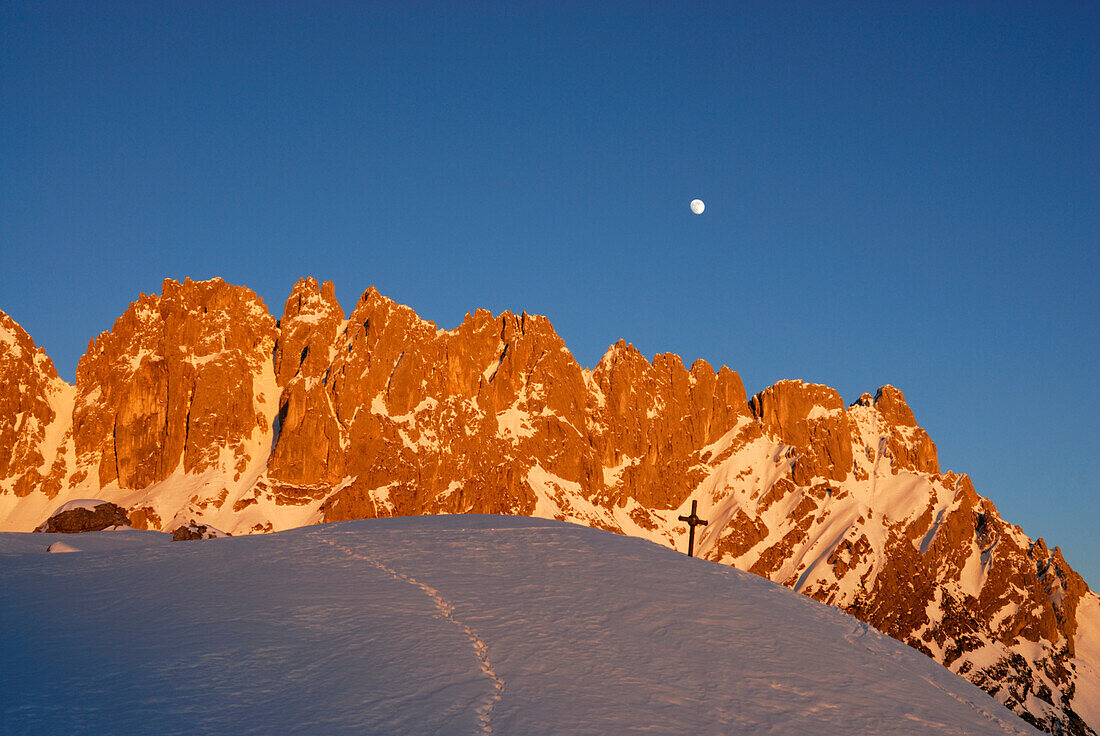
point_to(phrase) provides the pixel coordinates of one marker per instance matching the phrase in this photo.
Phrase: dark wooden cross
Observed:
(692, 521)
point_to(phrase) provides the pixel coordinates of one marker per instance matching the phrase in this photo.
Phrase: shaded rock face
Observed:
(73, 521)
(198, 409)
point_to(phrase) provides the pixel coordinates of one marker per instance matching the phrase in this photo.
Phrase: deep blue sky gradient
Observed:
(905, 195)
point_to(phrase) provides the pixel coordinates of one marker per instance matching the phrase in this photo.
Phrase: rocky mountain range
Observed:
(200, 408)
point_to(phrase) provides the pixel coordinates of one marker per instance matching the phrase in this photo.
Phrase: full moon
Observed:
(697, 206)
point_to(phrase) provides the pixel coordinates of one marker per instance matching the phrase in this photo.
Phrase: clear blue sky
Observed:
(905, 195)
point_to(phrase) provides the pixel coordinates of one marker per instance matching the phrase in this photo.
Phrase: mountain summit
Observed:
(197, 406)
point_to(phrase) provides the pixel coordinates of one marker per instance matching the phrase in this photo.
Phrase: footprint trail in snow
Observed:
(446, 609)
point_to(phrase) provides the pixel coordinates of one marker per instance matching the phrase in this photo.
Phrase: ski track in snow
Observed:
(446, 609)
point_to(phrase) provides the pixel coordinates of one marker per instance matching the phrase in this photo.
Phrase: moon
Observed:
(697, 206)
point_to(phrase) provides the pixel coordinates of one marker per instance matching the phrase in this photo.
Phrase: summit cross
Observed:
(692, 522)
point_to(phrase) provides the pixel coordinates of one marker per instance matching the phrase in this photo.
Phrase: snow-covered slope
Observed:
(443, 625)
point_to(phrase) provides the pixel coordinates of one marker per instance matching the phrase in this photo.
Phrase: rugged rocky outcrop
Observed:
(192, 531)
(907, 444)
(86, 515)
(811, 419)
(35, 416)
(175, 385)
(310, 451)
(411, 419)
(198, 409)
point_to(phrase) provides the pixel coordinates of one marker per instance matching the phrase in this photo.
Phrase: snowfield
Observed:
(443, 625)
